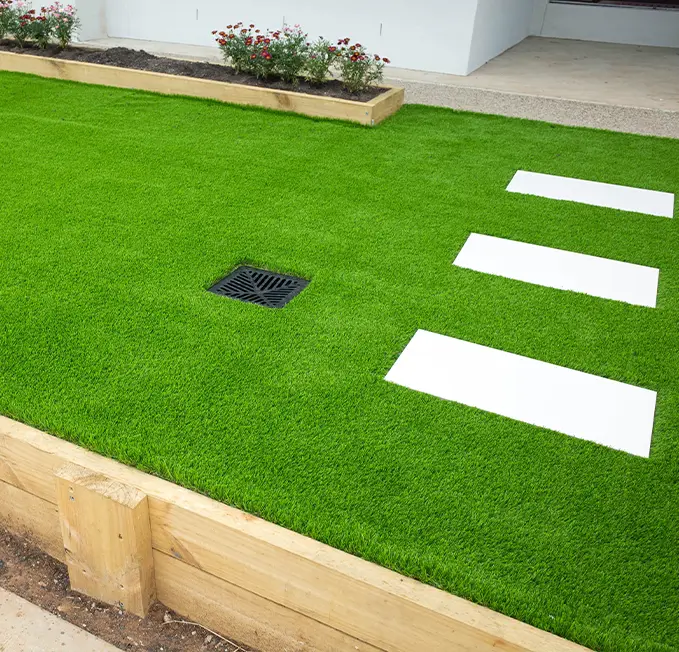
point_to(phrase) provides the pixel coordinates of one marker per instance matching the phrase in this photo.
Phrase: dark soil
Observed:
(42, 580)
(141, 60)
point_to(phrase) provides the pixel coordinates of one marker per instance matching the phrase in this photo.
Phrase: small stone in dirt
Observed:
(208, 639)
(167, 618)
(42, 585)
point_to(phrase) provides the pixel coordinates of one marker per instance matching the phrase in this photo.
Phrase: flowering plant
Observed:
(8, 17)
(320, 61)
(289, 55)
(18, 19)
(40, 27)
(65, 22)
(22, 29)
(281, 53)
(358, 68)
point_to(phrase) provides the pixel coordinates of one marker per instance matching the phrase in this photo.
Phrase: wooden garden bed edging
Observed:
(264, 585)
(367, 113)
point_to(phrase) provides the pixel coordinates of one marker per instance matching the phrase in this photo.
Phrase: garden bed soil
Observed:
(29, 573)
(142, 60)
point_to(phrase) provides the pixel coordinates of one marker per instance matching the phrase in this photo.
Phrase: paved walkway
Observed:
(27, 628)
(625, 88)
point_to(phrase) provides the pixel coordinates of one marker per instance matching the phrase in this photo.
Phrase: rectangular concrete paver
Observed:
(594, 193)
(27, 628)
(557, 268)
(572, 402)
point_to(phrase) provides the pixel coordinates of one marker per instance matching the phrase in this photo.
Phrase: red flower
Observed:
(232, 36)
(353, 47)
(214, 31)
(267, 41)
(377, 57)
(253, 56)
(386, 60)
(222, 41)
(358, 45)
(354, 58)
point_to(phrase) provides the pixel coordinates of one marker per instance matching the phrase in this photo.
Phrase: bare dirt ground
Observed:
(42, 580)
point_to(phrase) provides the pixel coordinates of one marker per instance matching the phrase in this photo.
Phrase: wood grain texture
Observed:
(387, 104)
(107, 538)
(247, 617)
(360, 599)
(367, 113)
(26, 514)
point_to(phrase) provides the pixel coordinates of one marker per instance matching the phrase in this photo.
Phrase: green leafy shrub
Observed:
(287, 54)
(8, 18)
(65, 22)
(357, 67)
(41, 28)
(282, 53)
(19, 20)
(319, 62)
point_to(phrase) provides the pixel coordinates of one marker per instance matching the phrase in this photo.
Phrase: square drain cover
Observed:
(260, 286)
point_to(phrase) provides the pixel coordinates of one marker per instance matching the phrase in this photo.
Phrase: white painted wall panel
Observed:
(92, 15)
(499, 25)
(433, 35)
(611, 24)
(581, 405)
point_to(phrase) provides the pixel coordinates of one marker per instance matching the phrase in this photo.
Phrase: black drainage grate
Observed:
(260, 286)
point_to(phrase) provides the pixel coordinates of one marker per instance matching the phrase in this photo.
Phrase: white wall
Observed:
(448, 36)
(93, 18)
(432, 35)
(499, 24)
(611, 24)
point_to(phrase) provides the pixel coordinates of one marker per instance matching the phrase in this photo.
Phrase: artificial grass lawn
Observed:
(118, 209)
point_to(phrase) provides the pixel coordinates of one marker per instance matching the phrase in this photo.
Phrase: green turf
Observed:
(118, 209)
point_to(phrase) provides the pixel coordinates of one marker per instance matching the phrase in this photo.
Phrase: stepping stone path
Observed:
(578, 404)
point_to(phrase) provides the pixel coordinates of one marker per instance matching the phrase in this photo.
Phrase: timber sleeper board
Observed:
(311, 580)
(367, 113)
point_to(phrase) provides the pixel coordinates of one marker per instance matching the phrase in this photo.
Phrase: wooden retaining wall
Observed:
(266, 586)
(368, 113)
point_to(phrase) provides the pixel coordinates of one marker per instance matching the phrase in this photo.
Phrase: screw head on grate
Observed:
(259, 286)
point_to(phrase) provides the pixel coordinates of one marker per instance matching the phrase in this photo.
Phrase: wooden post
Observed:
(107, 538)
